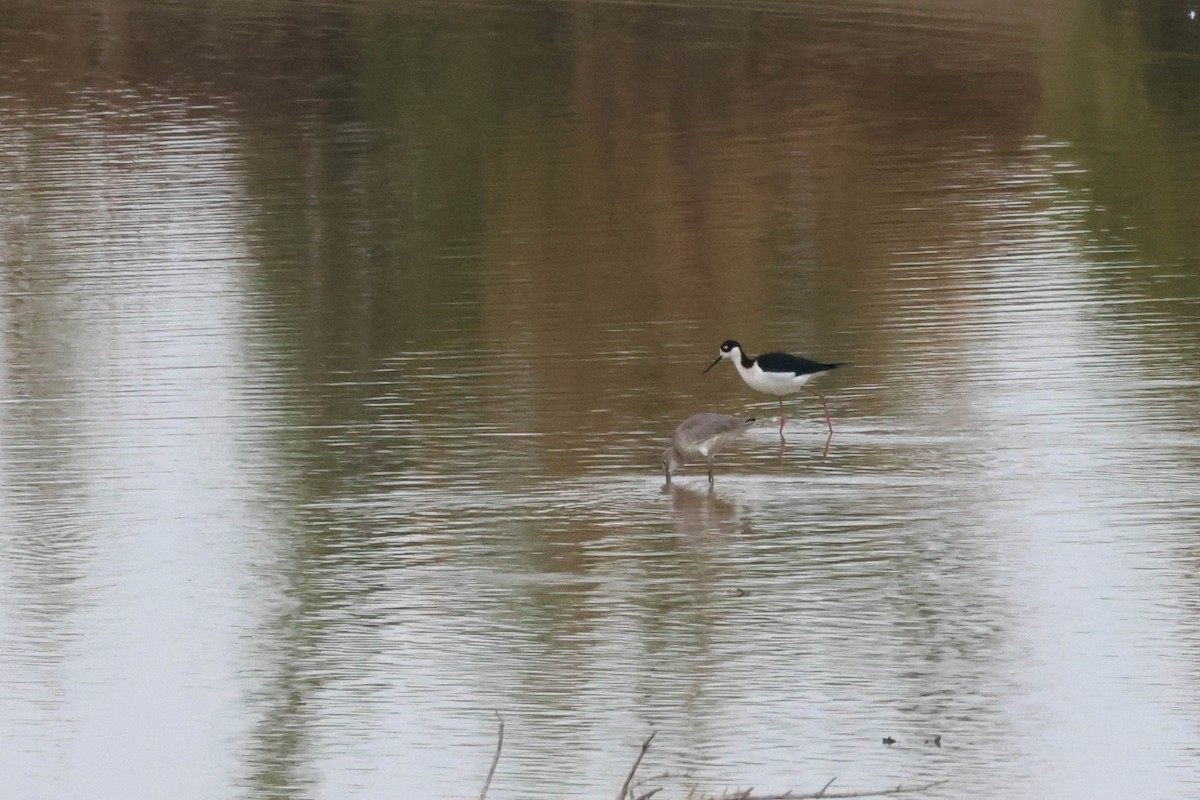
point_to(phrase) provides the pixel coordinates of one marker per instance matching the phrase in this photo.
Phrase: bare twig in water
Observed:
(640, 784)
(627, 789)
(628, 780)
(831, 795)
(495, 758)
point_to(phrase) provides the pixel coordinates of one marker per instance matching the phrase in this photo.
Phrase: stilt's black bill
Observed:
(710, 366)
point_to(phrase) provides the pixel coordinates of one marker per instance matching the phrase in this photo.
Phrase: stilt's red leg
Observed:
(824, 405)
(782, 418)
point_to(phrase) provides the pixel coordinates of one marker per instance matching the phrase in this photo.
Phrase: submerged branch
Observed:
(633, 769)
(747, 795)
(628, 791)
(495, 758)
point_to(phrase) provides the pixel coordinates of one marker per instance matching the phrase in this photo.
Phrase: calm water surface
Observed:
(339, 343)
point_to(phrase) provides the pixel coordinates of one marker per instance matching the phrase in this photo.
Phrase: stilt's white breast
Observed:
(776, 383)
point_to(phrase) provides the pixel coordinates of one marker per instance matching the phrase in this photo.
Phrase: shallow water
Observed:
(340, 342)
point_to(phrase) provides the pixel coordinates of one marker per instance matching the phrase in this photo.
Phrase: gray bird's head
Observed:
(670, 462)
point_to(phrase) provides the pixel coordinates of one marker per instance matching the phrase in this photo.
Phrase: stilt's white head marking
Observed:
(729, 349)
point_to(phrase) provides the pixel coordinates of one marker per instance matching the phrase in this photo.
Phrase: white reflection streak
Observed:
(1047, 411)
(139, 288)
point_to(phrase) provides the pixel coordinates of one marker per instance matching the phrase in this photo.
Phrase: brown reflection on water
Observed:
(706, 178)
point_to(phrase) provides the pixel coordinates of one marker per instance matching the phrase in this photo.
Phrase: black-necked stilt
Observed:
(702, 436)
(779, 374)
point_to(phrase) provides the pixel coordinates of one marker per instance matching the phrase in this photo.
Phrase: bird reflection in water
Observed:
(697, 512)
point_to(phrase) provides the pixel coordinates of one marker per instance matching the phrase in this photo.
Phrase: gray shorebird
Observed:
(702, 436)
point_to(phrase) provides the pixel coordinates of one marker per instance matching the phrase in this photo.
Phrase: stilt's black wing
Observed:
(784, 362)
